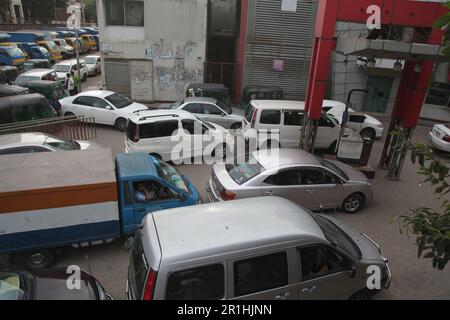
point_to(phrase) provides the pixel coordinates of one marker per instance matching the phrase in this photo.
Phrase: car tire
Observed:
(368, 133)
(121, 124)
(363, 294)
(353, 203)
(69, 114)
(39, 259)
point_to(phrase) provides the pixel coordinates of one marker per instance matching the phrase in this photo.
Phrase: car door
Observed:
(102, 111)
(285, 183)
(324, 274)
(327, 133)
(214, 114)
(152, 195)
(168, 136)
(322, 188)
(81, 106)
(268, 126)
(195, 108)
(192, 138)
(263, 277)
(291, 129)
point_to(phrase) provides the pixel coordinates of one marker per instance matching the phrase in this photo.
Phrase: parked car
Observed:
(365, 124)
(49, 285)
(7, 90)
(36, 74)
(106, 107)
(293, 174)
(208, 109)
(440, 136)
(287, 117)
(25, 107)
(93, 65)
(65, 67)
(66, 50)
(210, 90)
(8, 74)
(36, 64)
(30, 142)
(253, 249)
(158, 132)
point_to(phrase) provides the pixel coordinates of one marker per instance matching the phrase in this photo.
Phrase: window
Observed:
(171, 175)
(124, 13)
(210, 109)
(260, 274)
(193, 108)
(439, 94)
(318, 261)
(285, 178)
(248, 113)
(312, 176)
(119, 101)
(203, 283)
(99, 103)
(138, 267)
(293, 118)
(167, 128)
(243, 171)
(270, 117)
(145, 131)
(127, 193)
(151, 191)
(325, 122)
(84, 101)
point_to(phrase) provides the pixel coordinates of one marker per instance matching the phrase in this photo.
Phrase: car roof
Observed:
(287, 104)
(19, 139)
(189, 233)
(37, 72)
(21, 99)
(134, 165)
(67, 63)
(96, 93)
(285, 156)
(201, 100)
(149, 116)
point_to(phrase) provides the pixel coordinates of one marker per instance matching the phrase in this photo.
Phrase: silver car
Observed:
(208, 109)
(265, 248)
(293, 174)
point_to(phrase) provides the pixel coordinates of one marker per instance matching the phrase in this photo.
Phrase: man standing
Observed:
(75, 81)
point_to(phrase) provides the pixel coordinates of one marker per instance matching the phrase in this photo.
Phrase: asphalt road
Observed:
(413, 278)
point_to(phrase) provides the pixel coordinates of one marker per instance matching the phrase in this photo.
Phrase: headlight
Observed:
(380, 126)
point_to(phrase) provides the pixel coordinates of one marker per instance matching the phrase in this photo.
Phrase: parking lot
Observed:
(413, 278)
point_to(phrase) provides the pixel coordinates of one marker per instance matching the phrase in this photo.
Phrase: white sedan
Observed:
(440, 136)
(363, 123)
(106, 107)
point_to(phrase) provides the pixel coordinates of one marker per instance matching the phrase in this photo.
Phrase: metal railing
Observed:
(65, 128)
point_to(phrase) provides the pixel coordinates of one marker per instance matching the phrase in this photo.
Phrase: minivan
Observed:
(287, 117)
(257, 249)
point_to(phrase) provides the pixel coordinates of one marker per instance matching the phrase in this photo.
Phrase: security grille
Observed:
(117, 76)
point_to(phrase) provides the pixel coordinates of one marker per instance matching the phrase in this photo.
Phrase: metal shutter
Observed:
(117, 76)
(283, 36)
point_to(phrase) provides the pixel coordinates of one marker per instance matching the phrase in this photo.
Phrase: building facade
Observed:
(11, 12)
(152, 48)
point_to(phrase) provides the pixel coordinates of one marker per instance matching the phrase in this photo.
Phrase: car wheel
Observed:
(368, 133)
(353, 203)
(363, 294)
(39, 259)
(121, 124)
(69, 114)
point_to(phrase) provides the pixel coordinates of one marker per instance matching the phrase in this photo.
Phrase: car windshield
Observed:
(62, 68)
(245, 169)
(222, 106)
(119, 101)
(11, 286)
(90, 60)
(337, 237)
(249, 110)
(61, 144)
(51, 45)
(14, 52)
(43, 50)
(171, 175)
(330, 165)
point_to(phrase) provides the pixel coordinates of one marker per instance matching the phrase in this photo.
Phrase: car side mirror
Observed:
(352, 271)
(109, 108)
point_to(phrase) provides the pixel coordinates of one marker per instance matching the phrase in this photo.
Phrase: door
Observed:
(152, 195)
(286, 184)
(102, 111)
(265, 277)
(167, 136)
(212, 113)
(82, 106)
(193, 142)
(291, 129)
(126, 202)
(322, 188)
(268, 126)
(327, 132)
(117, 76)
(141, 80)
(324, 274)
(378, 96)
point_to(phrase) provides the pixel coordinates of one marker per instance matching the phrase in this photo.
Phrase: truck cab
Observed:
(38, 39)
(36, 52)
(11, 56)
(146, 184)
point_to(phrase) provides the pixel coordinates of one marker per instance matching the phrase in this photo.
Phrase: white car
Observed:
(440, 136)
(366, 125)
(93, 65)
(31, 142)
(160, 132)
(106, 107)
(35, 74)
(65, 67)
(66, 50)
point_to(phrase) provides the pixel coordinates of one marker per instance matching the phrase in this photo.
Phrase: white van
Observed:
(287, 117)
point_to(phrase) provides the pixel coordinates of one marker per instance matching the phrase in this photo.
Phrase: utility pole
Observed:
(83, 21)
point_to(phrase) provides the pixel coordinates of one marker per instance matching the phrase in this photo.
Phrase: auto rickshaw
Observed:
(25, 107)
(36, 63)
(8, 74)
(211, 90)
(7, 90)
(50, 89)
(261, 93)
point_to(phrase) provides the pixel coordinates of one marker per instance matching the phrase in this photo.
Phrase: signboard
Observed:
(278, 65)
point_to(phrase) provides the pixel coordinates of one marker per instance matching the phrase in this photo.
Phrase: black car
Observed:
(49, 285)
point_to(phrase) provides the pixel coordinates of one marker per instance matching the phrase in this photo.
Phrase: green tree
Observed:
(90, 11)
(442, 23)
(42, 11)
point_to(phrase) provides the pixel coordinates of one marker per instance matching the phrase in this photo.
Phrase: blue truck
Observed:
(39, 39)
(11, 56)
(91, 198)
(35, 52)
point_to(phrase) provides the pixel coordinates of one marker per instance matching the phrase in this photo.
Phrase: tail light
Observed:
(446, 138)
(150, 285)
(255, 113)
(227, 195)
